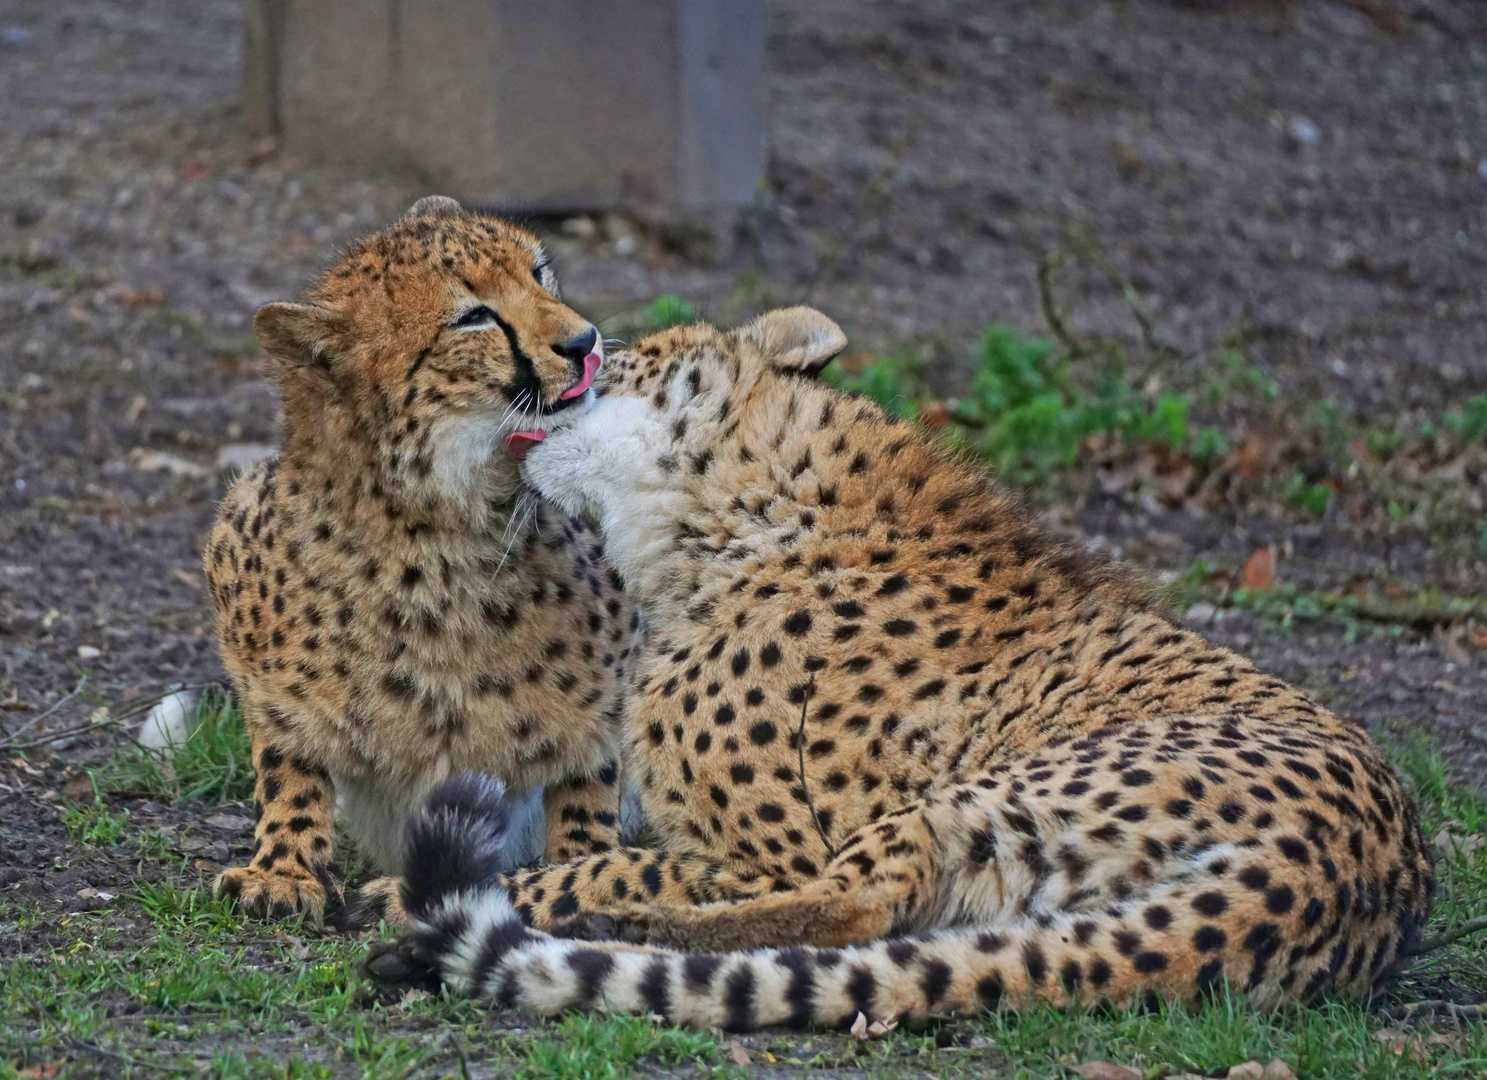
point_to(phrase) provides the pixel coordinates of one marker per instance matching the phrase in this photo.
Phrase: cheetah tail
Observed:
(452, 863)
(468, 937)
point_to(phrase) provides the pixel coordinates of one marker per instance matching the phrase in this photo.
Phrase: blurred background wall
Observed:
(552, 105)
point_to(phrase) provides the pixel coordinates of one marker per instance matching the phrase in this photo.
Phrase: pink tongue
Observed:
(519, 442)
(591, 364)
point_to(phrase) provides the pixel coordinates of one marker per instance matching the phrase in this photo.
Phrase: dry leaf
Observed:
(25, 766)
(1250, 1070)
(1259, 569)
(1255, 458)
(740, 1055)
(1126, 158)
(80, 789)
(934, 415)
(148, 296)
(41, 1072)
(1454, 844)
(1104, 1070)
(1401, 1043)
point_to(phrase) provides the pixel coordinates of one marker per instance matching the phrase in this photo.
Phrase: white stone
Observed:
(168, 726)
(1201, 613)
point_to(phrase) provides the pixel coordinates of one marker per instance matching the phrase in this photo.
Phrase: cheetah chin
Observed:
(902, 752)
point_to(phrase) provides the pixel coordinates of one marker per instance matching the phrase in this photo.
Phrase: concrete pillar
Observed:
(527, 104)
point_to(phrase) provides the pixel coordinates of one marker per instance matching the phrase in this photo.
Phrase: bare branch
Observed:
(1456, 933)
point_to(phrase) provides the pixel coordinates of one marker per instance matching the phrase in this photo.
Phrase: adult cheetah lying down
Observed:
(911, 753)
(392, 603)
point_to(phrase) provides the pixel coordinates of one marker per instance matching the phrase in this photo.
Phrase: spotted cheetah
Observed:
(906, 753)
(392, 603)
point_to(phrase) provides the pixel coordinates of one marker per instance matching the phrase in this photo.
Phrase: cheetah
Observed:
(906, 754)
(392, 603)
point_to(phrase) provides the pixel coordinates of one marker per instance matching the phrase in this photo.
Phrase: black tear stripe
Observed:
(418, 363)
(524, 378)
(738, 998)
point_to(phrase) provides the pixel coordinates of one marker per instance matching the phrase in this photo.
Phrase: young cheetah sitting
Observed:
(879, 702)
(392, 603)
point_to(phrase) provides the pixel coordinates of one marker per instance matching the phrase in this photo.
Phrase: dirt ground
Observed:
(1305, 180)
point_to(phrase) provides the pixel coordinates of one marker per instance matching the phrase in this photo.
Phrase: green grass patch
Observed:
(185, 913)
(607, 1048)
(1325, 1042)
(1026, 415)
(95, 825)
(214, 764)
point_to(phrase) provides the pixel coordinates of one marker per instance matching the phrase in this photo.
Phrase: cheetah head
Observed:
(630, 459)
(431, 341)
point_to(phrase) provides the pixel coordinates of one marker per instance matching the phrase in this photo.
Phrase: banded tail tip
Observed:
(455, 844)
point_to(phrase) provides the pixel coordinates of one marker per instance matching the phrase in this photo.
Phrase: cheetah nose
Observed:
(585, 352)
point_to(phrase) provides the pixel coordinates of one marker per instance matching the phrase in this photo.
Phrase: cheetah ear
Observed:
(434, 206)
(799, 340)
(306, 336)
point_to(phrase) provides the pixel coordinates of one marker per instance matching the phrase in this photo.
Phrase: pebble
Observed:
(88, 652)
(1201, 613)
(1301, 131)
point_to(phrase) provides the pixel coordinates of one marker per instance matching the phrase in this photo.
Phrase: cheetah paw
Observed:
(276, 894)
(605, 926)
(379, 900)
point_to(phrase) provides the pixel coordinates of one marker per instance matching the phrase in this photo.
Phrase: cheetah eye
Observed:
(475, 317)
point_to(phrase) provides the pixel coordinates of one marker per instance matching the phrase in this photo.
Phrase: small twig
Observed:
(29, 724)
(1046, 267)
(810, 692)
(460, 1051)
(103, 725)
(1149, 337)
(1440, 941)
(128, 1059)
(1430, 1009)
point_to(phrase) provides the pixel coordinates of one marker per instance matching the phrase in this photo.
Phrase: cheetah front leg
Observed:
(568, 895)
(289, 871)
(885, 876)
(583, 815)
